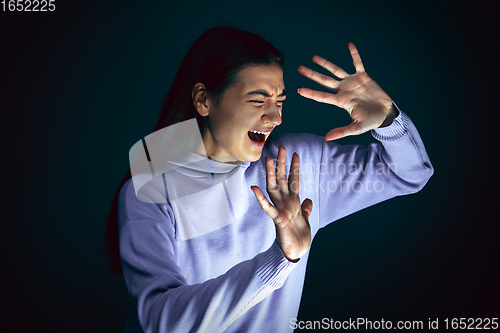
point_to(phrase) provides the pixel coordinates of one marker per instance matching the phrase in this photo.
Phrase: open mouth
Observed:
(257, 137)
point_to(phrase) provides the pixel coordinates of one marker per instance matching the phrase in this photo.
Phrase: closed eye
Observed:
(261, 102)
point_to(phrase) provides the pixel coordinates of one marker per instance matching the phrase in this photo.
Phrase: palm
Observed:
(293, 232)
(364, 100)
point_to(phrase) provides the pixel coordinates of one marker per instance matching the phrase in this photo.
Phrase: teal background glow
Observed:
(82, 84)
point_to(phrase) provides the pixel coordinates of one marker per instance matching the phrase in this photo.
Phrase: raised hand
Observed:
(291, 219)
(367, 104)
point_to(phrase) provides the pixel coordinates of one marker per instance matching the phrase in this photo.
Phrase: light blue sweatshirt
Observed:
(206, 259)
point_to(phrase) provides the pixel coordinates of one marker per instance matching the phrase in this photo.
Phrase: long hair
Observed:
(214, 59)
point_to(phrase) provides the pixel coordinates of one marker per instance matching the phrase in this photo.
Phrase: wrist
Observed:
(291, 258)
(391, 115)
(284, 255)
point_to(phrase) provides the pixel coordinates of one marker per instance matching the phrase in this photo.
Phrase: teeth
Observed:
(259, 132)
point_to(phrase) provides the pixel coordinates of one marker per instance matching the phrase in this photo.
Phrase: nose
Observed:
(272, 116)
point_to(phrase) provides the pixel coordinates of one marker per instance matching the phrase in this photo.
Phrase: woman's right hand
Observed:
(293, 232)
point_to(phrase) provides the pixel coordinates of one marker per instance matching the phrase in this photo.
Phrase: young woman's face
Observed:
(252, 104)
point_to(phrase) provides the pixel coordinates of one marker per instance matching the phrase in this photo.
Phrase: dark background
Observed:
(82, 84)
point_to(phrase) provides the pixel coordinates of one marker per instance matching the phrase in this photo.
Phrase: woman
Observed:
(199, 251)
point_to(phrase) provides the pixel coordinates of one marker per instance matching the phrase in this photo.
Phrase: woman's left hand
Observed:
(367, 104)
(291, 218)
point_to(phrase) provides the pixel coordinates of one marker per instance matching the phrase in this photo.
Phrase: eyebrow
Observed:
(265, 94)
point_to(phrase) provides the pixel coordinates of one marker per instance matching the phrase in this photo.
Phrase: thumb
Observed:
(352, 129)
(307, 206)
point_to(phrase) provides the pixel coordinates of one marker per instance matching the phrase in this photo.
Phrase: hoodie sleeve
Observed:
(165, 302)
(353, 177)
(344, 179)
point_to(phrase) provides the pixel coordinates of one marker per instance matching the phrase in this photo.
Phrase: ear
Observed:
(200, 99)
